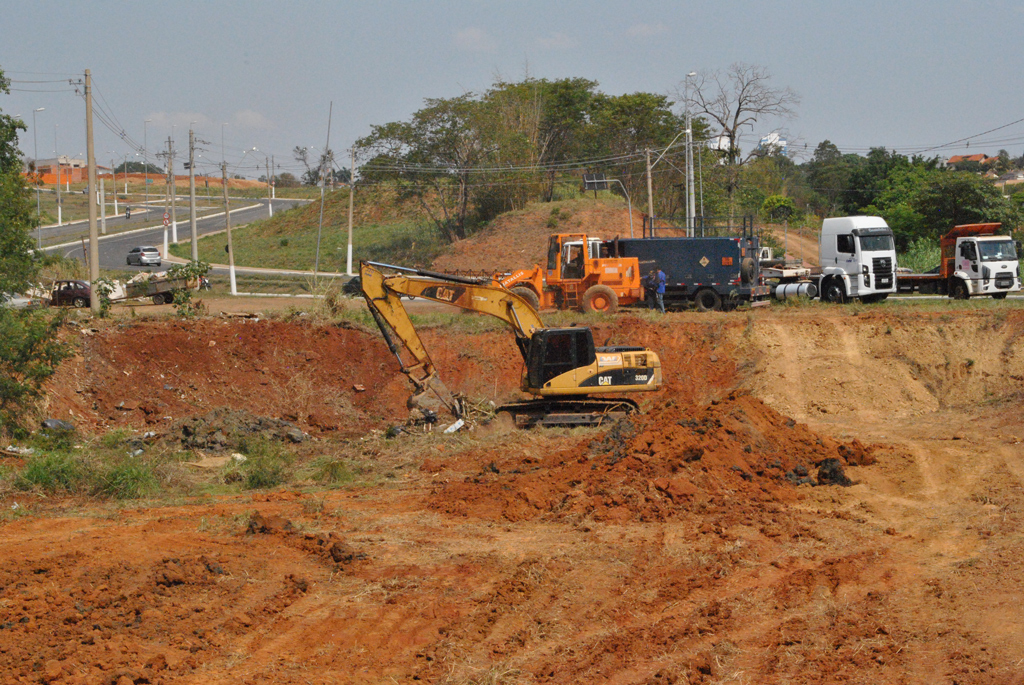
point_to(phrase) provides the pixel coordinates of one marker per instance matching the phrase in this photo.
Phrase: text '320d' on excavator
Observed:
(573, 382)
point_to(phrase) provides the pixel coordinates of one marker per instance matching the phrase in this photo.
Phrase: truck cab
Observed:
(858, 259)
(976, 262)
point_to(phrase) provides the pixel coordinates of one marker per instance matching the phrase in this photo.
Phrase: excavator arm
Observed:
(383, 295)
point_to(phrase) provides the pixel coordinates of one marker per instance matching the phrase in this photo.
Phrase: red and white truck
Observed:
(976, 261)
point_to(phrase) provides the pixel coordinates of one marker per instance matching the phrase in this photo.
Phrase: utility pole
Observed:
(113, 183)
(227, 224)
(192, 193)
(270, 203)
(174, 189)
(650, 192)
(273, 187)
(35, 140)
(351, 201)
(167, 201)
(94, 239)
(56, 159)
(103, 208)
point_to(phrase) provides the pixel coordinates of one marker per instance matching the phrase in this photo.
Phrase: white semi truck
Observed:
(857, 260)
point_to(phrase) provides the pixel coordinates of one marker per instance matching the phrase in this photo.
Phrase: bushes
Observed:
(29, 354)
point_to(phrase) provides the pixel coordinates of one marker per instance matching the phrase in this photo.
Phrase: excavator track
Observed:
(565, 412)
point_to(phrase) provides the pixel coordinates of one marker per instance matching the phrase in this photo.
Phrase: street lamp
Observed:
(145, 157)
(35, 139)
(690, 208)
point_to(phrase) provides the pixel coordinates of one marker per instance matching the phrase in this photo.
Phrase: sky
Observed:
(908, 75)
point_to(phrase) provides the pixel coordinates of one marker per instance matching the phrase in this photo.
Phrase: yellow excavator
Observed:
(571, 379)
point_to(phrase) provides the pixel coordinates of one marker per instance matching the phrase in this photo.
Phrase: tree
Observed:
(311, 176)
(137, 168)
(828, 172)
(625, 126)
(286, 180)
(29, 349)
(732, 101)
(737, 99)
(432, 158)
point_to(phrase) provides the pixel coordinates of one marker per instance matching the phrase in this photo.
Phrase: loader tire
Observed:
(528, 295)
(600, 298)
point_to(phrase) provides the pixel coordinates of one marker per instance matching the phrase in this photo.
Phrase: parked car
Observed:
(70, 293)
(13, 301)
(144, 256)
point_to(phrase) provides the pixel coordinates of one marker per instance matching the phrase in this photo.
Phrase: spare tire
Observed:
(600, 298)
(747, 268)
(528, 295)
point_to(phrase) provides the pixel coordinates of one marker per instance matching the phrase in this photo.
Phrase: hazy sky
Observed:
(904, 74)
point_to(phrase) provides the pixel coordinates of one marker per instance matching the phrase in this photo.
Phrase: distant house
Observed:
(981, 158)
(71, 170)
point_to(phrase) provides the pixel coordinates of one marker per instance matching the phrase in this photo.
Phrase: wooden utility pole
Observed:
(192, 193)
(351, 201)
(94, 239)
(227, 224)
(174, 189)
(650, 192)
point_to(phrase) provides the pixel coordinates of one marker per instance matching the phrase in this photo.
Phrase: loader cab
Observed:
(555, 351)
(568, 256)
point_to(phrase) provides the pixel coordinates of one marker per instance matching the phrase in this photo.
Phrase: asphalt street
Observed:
(114, 247)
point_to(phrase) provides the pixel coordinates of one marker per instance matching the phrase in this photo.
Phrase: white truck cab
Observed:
(986, 265)
(858, 259)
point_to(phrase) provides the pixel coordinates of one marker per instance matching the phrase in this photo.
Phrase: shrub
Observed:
(53, 472)
(126, 480)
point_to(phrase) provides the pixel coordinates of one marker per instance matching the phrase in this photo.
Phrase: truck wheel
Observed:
(528, 295)
(707, 300)
(747, 270)
(158, 298)
(998, 296)
(833, 291)
(959, 290)
(79, 302)
(600, 298)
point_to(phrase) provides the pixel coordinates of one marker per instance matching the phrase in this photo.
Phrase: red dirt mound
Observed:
(737, 454)
(518, 240)
(152, 373)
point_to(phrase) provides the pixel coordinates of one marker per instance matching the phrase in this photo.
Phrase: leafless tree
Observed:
(736, 98)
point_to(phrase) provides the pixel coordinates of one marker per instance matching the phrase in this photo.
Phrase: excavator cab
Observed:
(555, 351)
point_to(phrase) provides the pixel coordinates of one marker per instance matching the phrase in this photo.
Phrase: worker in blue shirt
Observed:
(660, 291)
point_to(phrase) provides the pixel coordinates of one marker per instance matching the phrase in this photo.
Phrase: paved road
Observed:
(114, 247)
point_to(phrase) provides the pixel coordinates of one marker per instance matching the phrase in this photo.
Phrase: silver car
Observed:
(12, 301)
(144, 256)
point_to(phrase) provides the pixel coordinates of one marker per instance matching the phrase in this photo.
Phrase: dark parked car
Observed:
(70, 293)
(144, 256)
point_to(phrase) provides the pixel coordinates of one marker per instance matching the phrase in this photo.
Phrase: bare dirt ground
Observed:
(686, 546)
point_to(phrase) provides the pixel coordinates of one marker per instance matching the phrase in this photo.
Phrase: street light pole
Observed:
(56, 159)
(690, 208)
(145, 157)
(35, 139)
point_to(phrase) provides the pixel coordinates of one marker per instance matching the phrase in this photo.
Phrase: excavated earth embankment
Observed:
(817, 495)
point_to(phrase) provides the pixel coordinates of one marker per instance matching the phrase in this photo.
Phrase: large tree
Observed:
(732, 101)
(736, 99)
(432, 158)
(29, 351)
